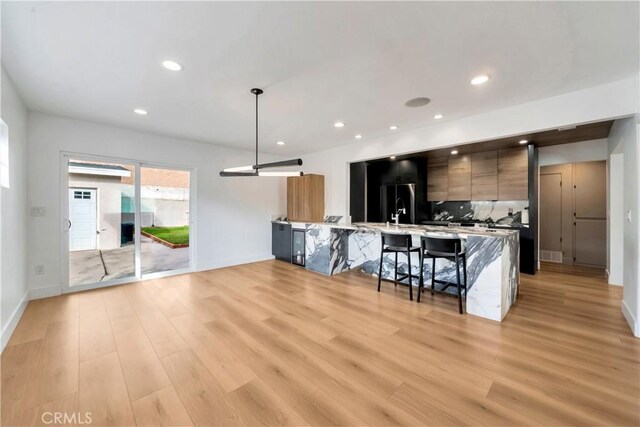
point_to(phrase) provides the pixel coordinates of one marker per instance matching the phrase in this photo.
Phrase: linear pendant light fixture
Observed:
(257, 169)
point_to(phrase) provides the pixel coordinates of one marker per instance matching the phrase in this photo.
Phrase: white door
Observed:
(82, 218)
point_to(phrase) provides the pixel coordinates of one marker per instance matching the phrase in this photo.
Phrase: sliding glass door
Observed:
(124, 220)
(164, 219)
(100, 231)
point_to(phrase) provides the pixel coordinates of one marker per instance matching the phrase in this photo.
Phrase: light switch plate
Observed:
(38, 211)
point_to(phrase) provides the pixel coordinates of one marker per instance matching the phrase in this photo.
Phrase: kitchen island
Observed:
(492, 258)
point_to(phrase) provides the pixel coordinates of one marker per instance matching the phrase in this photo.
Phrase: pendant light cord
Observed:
(257, 94)
(255, 170)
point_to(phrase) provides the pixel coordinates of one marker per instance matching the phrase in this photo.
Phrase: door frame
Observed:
(63, 196)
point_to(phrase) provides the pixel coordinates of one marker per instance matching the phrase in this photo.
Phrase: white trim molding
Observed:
(631, 320)
(45, 292)
(230, 262)
(15, 317)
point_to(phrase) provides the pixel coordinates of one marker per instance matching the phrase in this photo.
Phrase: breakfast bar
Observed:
(492, 258)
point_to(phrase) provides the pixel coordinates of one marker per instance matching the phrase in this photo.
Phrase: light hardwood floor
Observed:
(272, 344)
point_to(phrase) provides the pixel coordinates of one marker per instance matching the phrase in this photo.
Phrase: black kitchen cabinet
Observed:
(281, 241)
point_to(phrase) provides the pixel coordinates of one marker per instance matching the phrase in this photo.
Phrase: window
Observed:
(82, 195)
(4, 154)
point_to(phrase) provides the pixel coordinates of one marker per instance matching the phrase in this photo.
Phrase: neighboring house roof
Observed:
(98, 169)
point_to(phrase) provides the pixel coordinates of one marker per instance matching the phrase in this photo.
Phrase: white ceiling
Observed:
(317, 62)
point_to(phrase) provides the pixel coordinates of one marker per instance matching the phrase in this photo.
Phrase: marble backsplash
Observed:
(500, 212)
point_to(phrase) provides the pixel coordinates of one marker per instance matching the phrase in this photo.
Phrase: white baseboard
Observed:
(631, 320)
(7, 331)
(611, 281)
(229, 262)
(45, 292)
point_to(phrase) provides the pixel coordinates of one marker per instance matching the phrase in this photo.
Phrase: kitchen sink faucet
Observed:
(399, 211)
(396, 217)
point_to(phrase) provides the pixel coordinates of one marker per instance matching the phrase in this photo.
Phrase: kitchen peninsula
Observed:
(492, 258)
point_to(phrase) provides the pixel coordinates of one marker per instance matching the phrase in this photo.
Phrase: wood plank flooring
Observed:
(272, 344)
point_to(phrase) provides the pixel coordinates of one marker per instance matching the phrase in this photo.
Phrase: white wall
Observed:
(623, 140)
(14, 213)
(615, 212)
(585, 151)
(233, 214)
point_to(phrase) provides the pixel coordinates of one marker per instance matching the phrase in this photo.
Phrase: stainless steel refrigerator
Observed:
(394, 198)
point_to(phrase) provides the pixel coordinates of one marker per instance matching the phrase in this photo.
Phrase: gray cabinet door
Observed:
(590, 180)
(551, 212)
(590, 245)
(590, 213)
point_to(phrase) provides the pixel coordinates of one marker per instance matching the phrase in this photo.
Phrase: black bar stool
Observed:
(398, 243)
(447, 248)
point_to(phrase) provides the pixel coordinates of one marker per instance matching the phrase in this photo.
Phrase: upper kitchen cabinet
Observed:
(437, 179)
(459, 178)
(484, 175)
(305, 198)
(513, 167)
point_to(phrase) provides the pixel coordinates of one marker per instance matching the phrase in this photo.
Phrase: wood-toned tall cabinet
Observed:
(305, 198)
(513, 174)
(438, 179)
(459, 178)
(484, 175)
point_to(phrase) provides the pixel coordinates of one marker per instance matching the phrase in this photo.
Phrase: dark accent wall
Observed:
(406, 171)
(357, 191)
(367, 177)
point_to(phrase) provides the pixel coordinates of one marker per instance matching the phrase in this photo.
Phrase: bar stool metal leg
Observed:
(458, 283)
(464, 271)
(409, 274)
(395, 267)
(433, 274)
(380, 269)
(420, 274)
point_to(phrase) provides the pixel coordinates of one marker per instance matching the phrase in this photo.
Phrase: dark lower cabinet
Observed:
(281, 241)
(528, 259)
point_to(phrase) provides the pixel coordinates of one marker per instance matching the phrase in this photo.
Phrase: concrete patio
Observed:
(101, 265)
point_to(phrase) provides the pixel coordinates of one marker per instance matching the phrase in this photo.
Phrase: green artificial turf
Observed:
(175, 235)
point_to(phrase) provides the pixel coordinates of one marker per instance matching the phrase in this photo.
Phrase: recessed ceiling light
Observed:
(454, 152)
(280, 142)
(417, 102)
(481, 79)
(392, 157)
(358, 136)
(339, 124)
(393, 127)
(438, 116)
(171, 65)
(523, 141)
(140, 111)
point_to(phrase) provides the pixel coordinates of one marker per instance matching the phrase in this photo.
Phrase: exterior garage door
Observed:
(82, 214)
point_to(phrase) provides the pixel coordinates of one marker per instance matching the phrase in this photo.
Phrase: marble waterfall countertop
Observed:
(493, 258)
(440, 230)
